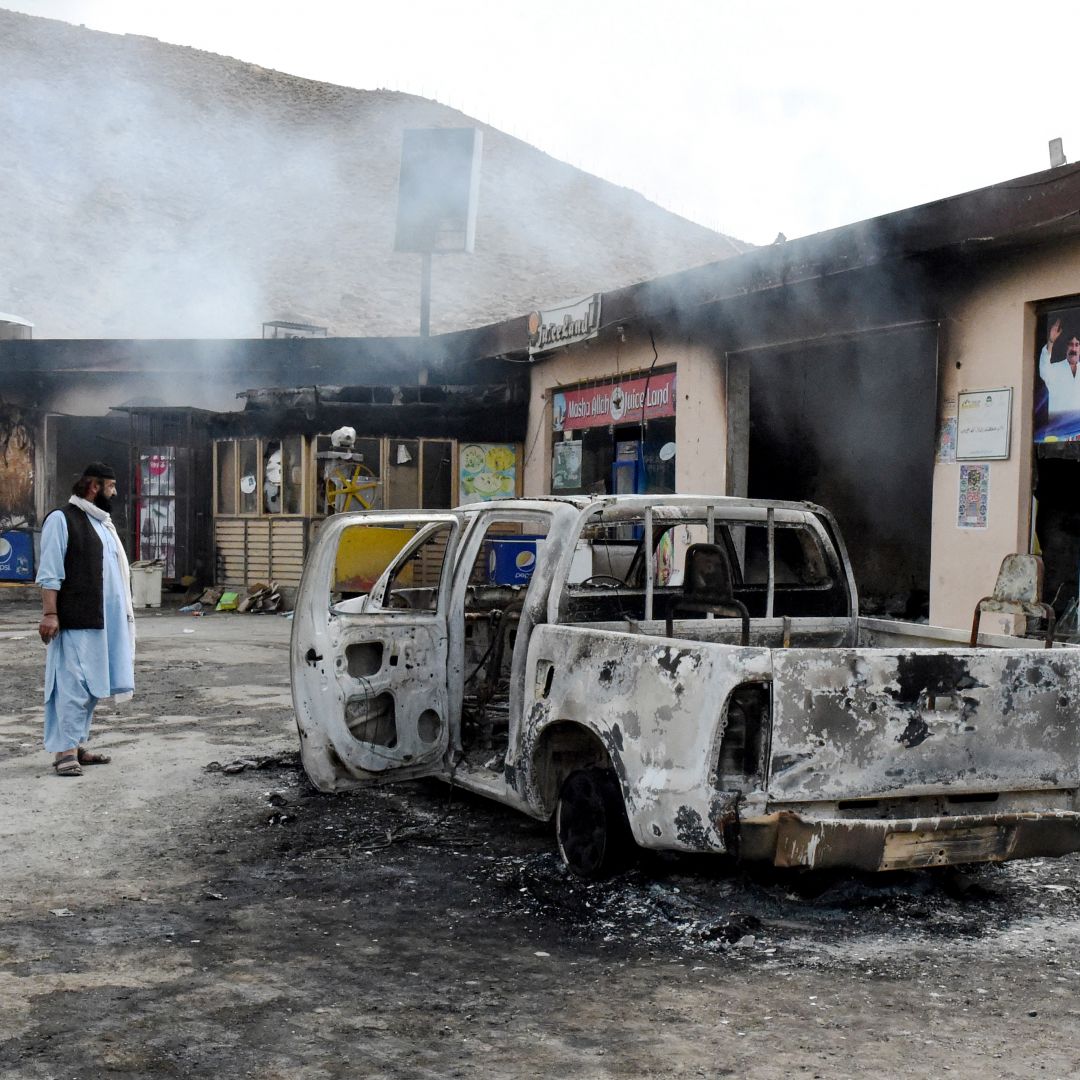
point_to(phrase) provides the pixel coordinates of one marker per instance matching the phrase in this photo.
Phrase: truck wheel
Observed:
(590, 824)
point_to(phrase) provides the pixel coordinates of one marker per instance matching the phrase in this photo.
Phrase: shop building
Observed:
(234, 495)
(889, 370)
(908, 372)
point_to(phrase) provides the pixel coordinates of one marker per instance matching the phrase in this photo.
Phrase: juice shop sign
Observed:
(576, 321)
(625, 402)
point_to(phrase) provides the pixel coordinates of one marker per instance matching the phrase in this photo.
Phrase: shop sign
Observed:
(564, 325)
(627, 402)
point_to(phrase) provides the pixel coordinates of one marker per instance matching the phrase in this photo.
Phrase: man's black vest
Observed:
(80, 604)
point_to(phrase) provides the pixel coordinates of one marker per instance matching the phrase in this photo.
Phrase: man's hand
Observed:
(1054, 333)
(48, 628)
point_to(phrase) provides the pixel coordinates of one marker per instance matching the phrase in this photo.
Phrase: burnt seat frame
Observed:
(708, 588)
(1016, 592)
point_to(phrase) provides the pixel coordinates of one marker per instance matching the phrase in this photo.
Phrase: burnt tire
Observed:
(591, 829)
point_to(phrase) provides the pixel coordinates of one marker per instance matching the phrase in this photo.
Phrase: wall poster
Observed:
(973, 506)
(1057, 378)
(487, 471)
(946, 436)
(566, 466)
(157, 507)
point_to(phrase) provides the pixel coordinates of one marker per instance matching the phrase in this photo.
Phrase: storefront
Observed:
(615, 435)
(926, 394)
(628, 412)
(272, 493)
(620, 409)
(235, 498)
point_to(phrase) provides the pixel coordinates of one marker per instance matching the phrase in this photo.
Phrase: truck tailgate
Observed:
(870, 723)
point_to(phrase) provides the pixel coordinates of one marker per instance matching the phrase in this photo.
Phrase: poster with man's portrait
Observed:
(1057, 376)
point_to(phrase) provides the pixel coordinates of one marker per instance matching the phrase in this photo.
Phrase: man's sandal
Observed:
(92, 757)
(68, 765)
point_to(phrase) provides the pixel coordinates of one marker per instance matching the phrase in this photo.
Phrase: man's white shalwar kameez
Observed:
(84, 666)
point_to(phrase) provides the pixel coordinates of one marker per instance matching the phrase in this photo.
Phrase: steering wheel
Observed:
(603, 579)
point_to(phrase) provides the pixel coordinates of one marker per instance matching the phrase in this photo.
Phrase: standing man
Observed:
(87, 619)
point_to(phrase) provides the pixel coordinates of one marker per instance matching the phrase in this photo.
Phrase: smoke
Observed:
(851, 426)
(157, 191)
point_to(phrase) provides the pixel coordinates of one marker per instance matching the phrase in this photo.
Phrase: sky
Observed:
(752, 118)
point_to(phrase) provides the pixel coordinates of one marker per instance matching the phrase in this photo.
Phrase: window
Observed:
(385, 474)
(248, 451)
(614, 578)
(283, 472)
(259, 476)
(292, 475)
(437, 475)
(225, 453)
(799, 559)
(415, 583)
(403, 475)
(156, 506)
(349, 475)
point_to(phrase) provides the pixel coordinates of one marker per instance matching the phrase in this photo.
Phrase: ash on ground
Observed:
(483, 855)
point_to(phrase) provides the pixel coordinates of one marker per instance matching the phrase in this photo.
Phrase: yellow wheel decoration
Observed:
(347, 484)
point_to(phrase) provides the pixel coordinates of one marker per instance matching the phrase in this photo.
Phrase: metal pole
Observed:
(650, 572)
(425, 294)
(771, 524)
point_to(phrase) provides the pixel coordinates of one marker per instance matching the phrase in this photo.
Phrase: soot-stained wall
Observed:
(851, 426)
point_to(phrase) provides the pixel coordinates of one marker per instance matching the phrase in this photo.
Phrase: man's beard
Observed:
(103, 502)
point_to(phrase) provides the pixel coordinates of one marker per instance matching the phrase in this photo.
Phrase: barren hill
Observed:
(153, 190)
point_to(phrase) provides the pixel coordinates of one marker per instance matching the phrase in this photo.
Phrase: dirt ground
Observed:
(164, 916)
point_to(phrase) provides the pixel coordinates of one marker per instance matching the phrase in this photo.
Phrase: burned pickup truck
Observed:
(677, 672)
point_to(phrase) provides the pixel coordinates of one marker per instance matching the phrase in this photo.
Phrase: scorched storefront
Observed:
(615, 436)
(235, 498)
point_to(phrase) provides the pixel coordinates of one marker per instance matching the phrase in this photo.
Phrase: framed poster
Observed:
(983, 419)
(487, 471)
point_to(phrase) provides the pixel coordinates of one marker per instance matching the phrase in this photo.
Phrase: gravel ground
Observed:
(196, 909)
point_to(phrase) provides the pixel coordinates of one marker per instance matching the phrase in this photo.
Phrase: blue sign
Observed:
(16, 556)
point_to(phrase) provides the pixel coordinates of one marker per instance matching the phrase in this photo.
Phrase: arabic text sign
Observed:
(982, 431)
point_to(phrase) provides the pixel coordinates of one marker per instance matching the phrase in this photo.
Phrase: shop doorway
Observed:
(1057, 457)
(851, 426)
(72, 442)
